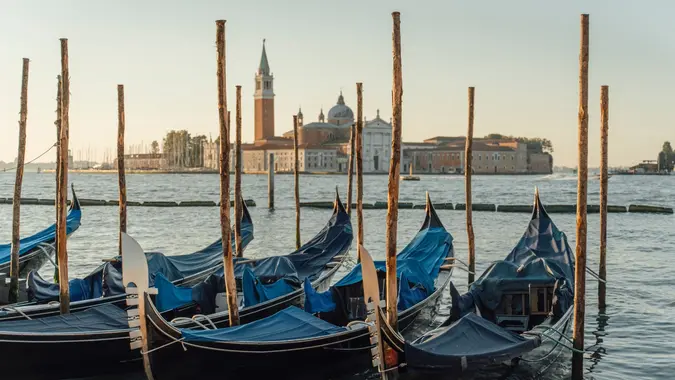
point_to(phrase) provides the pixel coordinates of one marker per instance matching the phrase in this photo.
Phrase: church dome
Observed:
(341, 114)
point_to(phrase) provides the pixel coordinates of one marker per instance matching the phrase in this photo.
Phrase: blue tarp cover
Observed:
(541, 257)
(256, 292)
(420, 261)
(99, 318)
(273, 276)
(106, 280)
(170, 296)
(47, 235)
(471, 337)
(288, 324)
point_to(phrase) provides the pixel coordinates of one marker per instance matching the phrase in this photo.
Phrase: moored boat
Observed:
(104, 284)
(329, 337)
(38, 249)
(518, 311)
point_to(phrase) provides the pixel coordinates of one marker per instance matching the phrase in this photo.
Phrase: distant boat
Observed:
(410, 177)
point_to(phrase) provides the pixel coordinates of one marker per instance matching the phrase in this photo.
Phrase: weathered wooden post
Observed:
(359, 174)
(270, 181)
(580, 257)
(16, 202)
(391, 359)
(62, 163)
(350, 168)
(120, 163)
(468, 156)
(394, 175)
(230, 284)
(57, 123)
(238, 210)
(604, 146)
(296, 176)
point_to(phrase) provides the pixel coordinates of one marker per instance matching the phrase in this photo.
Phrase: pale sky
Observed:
(521, 55)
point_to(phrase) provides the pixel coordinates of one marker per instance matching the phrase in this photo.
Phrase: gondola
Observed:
(517, 312)
(38, 249)
(104, 284)
(327, 338)
(97, 341)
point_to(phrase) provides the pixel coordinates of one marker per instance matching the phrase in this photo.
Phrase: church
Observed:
(323, 145)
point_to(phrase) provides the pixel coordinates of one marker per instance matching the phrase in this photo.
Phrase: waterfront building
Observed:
(143, 161)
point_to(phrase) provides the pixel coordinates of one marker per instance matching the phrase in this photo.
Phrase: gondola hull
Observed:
(67, 356)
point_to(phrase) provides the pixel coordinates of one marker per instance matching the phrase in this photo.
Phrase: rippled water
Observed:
(634, 338)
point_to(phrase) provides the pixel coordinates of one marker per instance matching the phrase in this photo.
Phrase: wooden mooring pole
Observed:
(270, 181)
(296, 177)
(350, 168)
(230, 284)
(16, 202)
(391, 359)
(468, 156)
(359, 176)
(57, 123)
(238, 208)
(62, 163)
(604, 146)
(120, 164)
(580, 257)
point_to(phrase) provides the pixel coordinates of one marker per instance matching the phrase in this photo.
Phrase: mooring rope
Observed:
(31, 161)
(597, 276)
(18, 311)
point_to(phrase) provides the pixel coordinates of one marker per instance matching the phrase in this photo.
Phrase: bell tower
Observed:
(264, 99)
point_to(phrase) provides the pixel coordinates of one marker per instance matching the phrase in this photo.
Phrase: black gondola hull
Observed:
(66, 356)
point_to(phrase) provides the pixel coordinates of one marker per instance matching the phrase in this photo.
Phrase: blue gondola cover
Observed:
(47, 235)
(288, 324)
(106, 280)
(420, 261)
(99, 318)
(471, 337)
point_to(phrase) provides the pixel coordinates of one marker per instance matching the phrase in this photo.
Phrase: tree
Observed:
(534, 144)
(668, 156)
(155, 147)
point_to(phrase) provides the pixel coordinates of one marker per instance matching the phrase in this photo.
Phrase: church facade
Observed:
(323, 145)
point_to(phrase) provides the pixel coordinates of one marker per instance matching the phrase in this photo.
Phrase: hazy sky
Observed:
(522, 57)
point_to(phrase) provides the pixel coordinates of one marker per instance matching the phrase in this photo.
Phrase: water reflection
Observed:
(597, 350)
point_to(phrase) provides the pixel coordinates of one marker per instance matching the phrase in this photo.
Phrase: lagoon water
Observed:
(633, 339)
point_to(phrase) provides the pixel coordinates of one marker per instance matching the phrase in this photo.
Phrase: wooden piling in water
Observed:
(57, 123)
(120, 164)
(604, 146)
(582, 181)
(468, 157)
(391, 358)
(238, 209)
(230, 284)
(62, 163)
(394, 174)
(16, 203)
(358, 156)
(270, 181)
(296, 177)
(350, 168)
